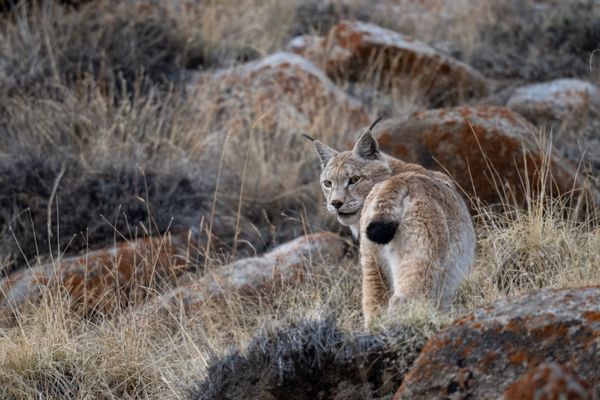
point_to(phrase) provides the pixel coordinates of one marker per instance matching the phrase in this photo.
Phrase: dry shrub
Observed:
(302, 361)
(318, 17)
(121, 43)
(91, 208)
(261, 24)
(506, 40)
(305, 340)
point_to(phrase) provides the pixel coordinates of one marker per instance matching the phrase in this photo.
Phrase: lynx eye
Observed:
(327, 183)
(353, 180)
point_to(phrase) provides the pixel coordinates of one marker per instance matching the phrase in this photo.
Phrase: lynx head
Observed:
(347, 177)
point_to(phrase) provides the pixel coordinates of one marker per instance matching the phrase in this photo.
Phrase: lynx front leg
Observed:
(374, 289)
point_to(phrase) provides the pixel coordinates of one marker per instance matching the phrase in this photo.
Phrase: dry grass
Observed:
(56, 355)
(153, 352)
(458, 23)
(550, 242)
(157, 352)
(524, 250)
(111, 107)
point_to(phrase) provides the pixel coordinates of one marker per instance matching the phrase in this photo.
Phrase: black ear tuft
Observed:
(375, 123)
(382, 232)
(307, 136)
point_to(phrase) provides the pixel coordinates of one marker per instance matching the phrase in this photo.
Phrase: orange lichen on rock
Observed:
(592, 316)
(489, 151)
(98, 278)
(500, 342)
(549, 381)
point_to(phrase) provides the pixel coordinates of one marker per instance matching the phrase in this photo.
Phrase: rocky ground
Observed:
(162, 233)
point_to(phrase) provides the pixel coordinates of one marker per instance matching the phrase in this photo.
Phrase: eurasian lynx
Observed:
(416, 235)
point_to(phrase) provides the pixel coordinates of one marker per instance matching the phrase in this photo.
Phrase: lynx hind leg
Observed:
(458, 260)
(412, 279)
(413, 258)
(374, 287)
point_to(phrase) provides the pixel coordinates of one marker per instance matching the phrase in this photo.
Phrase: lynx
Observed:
(416, 235)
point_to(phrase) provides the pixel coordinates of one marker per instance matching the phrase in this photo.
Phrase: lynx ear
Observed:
(366, 146)
(325, 152)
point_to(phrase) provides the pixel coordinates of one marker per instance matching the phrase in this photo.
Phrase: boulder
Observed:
(277, 87)
(555, 101)
(353, 49)
(280, 267)
(551, 381)
(480, 354)
(487, 150)
(93, 280)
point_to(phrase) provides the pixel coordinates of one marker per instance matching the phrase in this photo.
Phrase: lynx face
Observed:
(348, 177)
(346, 181)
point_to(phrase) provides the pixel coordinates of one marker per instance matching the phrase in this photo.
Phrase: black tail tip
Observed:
(381, 232)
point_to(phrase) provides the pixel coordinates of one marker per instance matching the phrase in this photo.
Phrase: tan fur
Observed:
(433, 246)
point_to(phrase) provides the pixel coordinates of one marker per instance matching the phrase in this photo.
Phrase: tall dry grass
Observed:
(549, 242)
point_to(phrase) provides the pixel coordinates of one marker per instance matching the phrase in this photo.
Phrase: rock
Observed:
(487, 150)
(555, 101)
(253, 276)
(94, 280)
(480, 354)
(278, 87)
(352, 48)
(551, 381)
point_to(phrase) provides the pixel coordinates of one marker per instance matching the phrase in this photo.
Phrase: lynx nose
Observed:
(337, 204)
